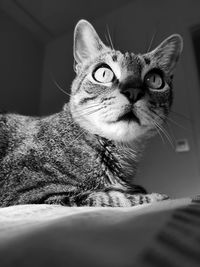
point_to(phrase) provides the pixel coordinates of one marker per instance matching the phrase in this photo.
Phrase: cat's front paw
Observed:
(108, 199)
(157, 197)
(115, 198)
(139, 199)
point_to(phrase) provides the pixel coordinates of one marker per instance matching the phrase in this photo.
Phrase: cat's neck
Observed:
(123, 156)
(118, 160)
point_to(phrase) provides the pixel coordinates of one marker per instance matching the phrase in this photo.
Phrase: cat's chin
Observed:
(125, 128)
(122, 131)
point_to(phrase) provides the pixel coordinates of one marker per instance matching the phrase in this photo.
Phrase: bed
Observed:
(162, 234)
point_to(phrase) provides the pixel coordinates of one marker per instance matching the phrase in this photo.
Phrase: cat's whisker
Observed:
(87, 110)
(151, 41)
(61, 89)
(161, 128)
(165, 118)
(131, 150)
(170, 129)
(91, 106)
(106, 38)
(181, 115)
(162, 117)
(176, 123)
(91, 112)
(158, 131)
(127, 150)
(165, 134)
(109, 37)
(77, 137)
(74, 66)
(157, 126)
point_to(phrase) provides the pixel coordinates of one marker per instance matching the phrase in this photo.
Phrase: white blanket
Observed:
(47, 235)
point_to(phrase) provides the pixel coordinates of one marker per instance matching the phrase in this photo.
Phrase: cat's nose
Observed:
(133, 94)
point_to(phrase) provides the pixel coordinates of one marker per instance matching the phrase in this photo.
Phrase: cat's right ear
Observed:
(87, 43)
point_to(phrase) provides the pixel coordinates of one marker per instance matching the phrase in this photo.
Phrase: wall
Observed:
(58, 69)
(132, 27)
(21, 63)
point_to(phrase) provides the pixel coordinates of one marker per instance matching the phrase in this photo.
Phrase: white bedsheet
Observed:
(47, 235)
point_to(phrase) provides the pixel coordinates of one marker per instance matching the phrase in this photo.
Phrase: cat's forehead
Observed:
(131, 62)
(127, 59)
(127, 62)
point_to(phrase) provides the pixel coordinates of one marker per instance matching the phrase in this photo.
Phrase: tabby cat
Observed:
(87, 154)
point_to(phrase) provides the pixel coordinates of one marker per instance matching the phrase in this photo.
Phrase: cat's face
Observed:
(121, 96)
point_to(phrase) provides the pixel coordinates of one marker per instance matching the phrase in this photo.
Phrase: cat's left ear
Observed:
(87, 43)
(168, 52)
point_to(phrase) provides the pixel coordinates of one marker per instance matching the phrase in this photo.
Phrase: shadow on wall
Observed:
(21, 66)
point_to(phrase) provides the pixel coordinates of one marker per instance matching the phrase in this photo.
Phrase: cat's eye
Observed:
(103, 74)
(154, 80)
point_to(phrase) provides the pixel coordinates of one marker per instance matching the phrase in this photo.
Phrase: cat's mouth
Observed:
(129, 117)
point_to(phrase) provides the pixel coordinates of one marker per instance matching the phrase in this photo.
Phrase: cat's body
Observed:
(80, 155)
(52, 158)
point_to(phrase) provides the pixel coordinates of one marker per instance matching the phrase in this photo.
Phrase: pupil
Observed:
(104, 73)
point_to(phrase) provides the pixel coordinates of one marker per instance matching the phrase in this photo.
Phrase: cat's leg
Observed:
(58, 200)
(114, 198)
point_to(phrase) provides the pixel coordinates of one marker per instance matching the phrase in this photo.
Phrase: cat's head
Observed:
(121, 96)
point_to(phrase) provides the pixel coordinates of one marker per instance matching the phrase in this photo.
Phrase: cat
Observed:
(87, 154)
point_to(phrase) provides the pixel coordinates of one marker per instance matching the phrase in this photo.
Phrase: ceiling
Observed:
(48, 19)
